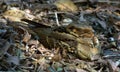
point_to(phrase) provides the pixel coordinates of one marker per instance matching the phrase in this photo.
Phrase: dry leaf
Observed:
(103, 24)
(57, 57)
(66, 5)
(26, 37)
(113, 66)
(80, 70)
(14, 15)
(17, 15)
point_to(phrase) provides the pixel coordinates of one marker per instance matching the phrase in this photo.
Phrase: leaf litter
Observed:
(60, 36)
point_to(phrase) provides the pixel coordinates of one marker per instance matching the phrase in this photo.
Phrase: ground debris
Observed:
(60, 35)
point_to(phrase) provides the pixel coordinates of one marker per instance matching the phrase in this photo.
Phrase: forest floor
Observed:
(60, 35)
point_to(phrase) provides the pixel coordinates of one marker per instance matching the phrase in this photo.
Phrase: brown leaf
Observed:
(17, 14)
(26, 37)
(66, 5)
(14, 15)
(57, 55)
